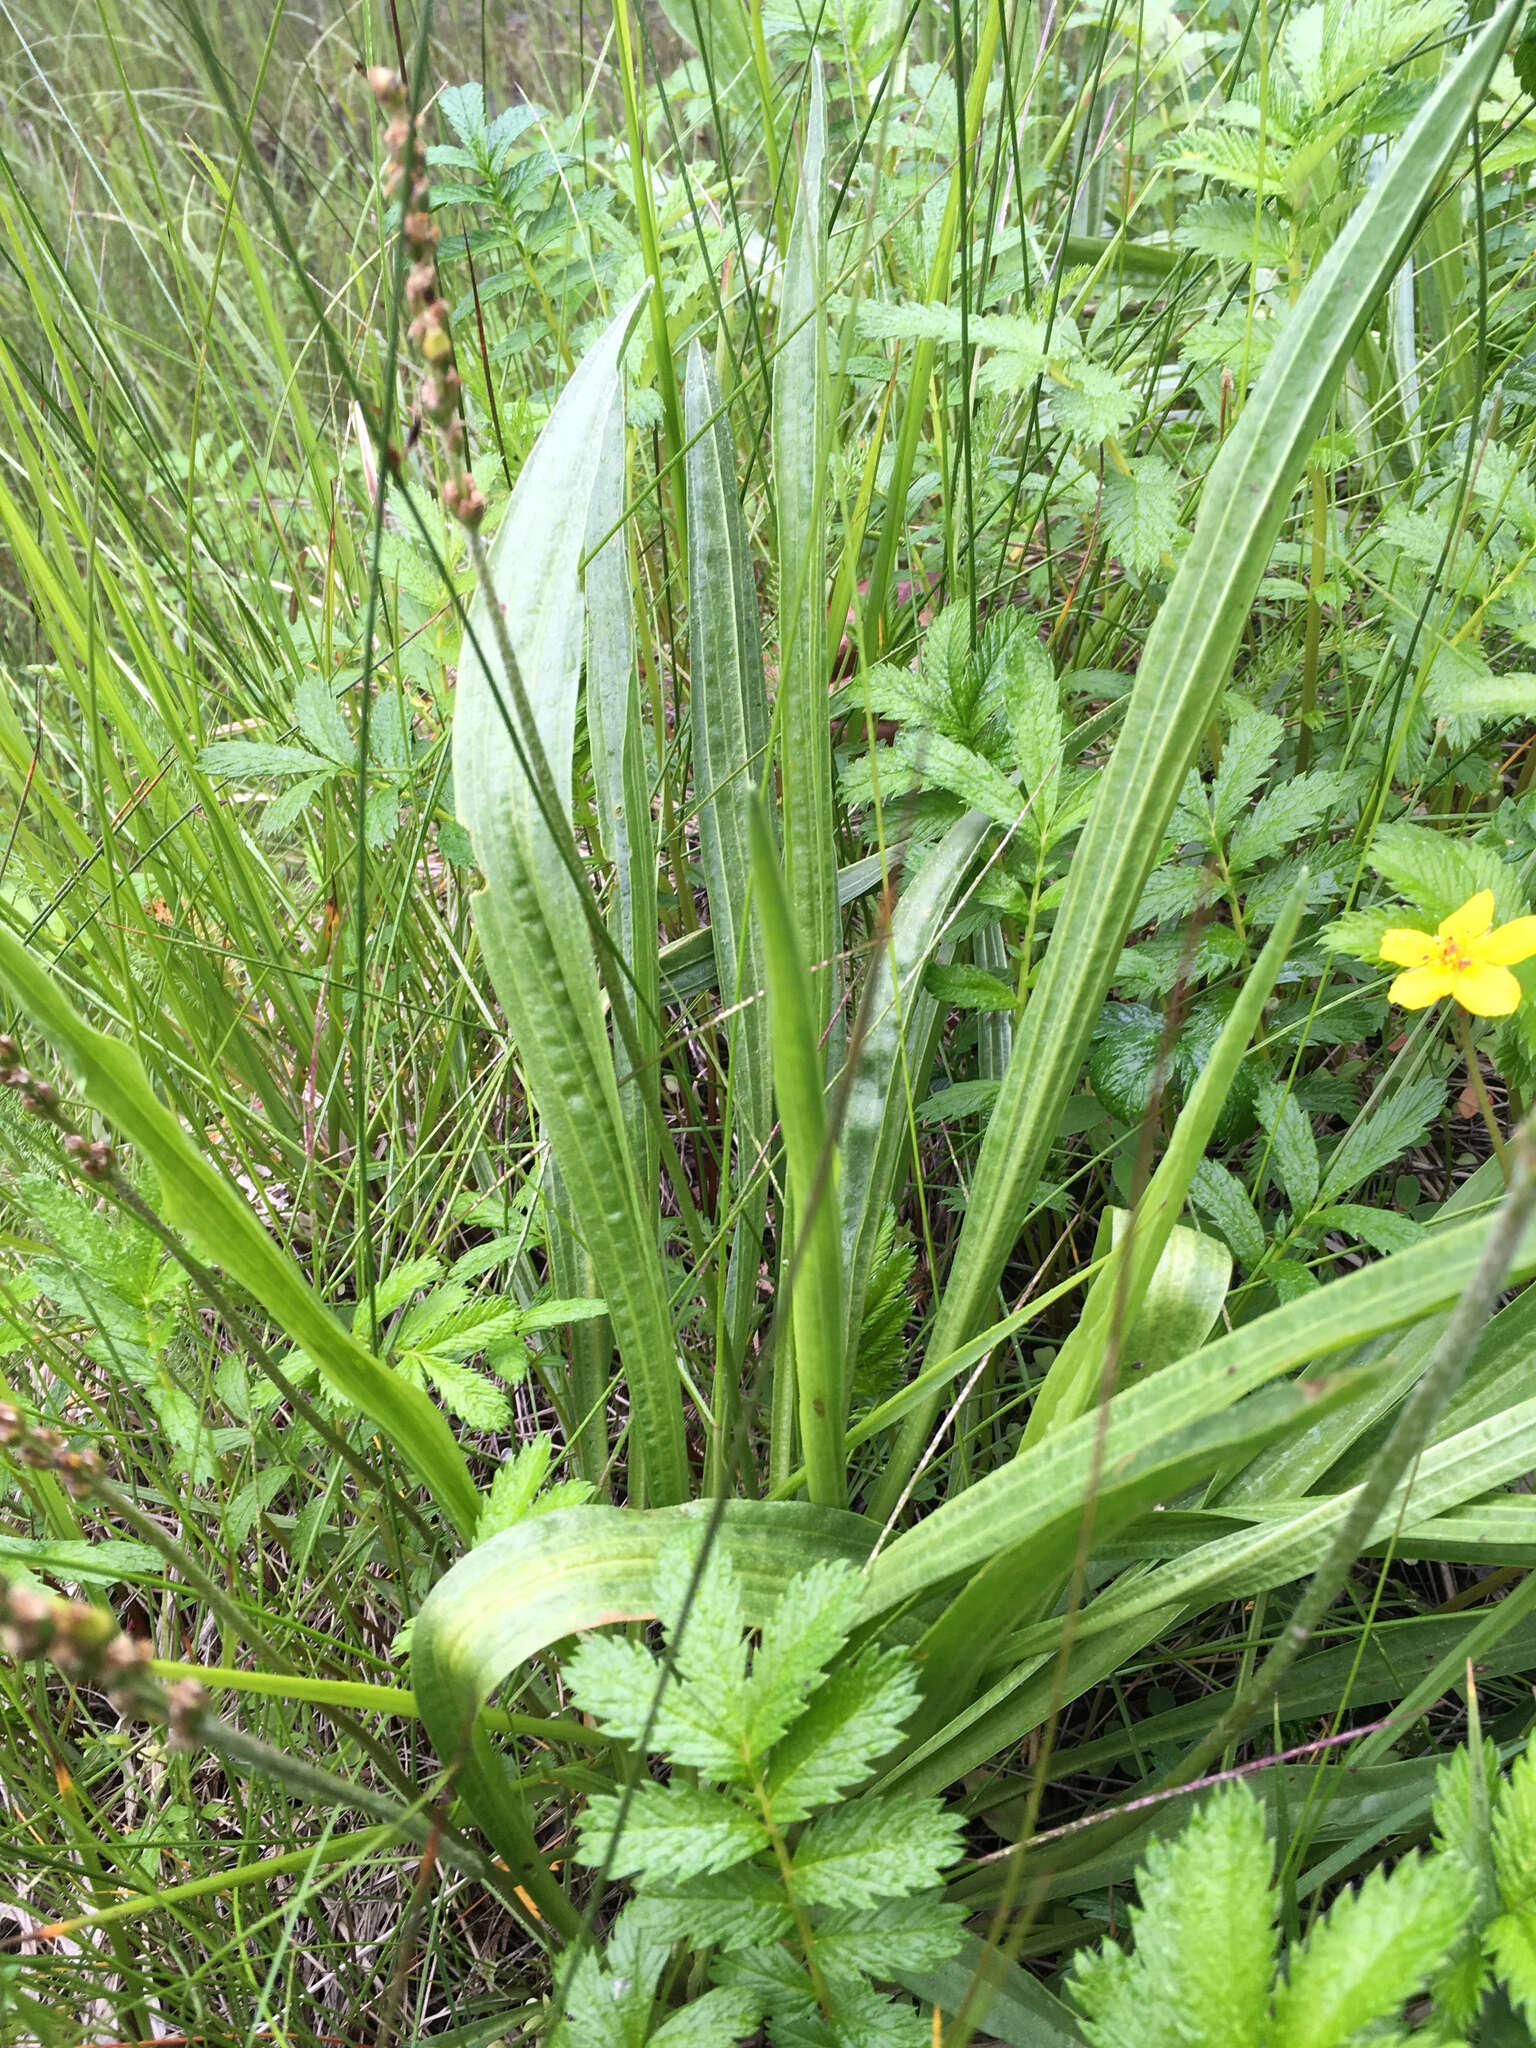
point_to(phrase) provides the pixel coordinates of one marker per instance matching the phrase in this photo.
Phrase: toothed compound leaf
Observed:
(1294, 1147)
(1374, 1949)
(616, 1681)
(1141, 513)
(1032, 700)
(611, 2007)
(668, 1832)
(1437, 874)
(1514, 1833)
(1250, 747)
(873, 1849)
(917, 1933)
(739, 1908)
(1107, 1987)
(1512, 1937)
(519, 1490)
(1205, 1938)
(716, 2020)
(807, 1629)
(853, 1720)
(1382, 1137)
(1220, 1197)
(1511, 1942)
(703, 1716)
(1278, 820)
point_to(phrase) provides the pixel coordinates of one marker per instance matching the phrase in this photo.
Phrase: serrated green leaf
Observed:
(1384, 1230)
(289, 804)
(1032, 700)
(702, 1720)
(854, 1720)
(1463, 1812)
(322, 721)
(1383, 1136)
(744, 1907)
(1218, 1194)
(808, 1628)
(960, 986)
(1251, 744)
(1371, 1952)
(668, 1833)
(519, 1490)
(1278, 820)
(916, 1933)
(716, 2019)
(453, 1323)
(947, 764)
(1141, 513)
(1359, 933)
(1514, 1834)
(869, 1850)
(470, 1395)
(1294, 1152)
(260, 757)
(1106, 1987)
(398, 1285)
(1438, 874)
(1205, 1938)
(1511, 1942)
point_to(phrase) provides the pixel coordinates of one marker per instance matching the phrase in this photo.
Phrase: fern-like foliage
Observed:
(758, 1847)
(1203, 1970)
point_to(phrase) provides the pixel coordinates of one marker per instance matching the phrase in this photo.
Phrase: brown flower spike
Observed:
(442, 388)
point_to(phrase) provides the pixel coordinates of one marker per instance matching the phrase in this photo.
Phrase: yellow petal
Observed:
(1507, 943)
(1404, 948)
(1487, 991)
(1471, 921)
(1421, 986)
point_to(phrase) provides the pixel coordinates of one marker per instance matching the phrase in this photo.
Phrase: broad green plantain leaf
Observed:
(528, 917)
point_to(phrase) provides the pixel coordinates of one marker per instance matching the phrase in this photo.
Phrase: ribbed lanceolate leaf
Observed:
(616, 734)
(811, 1263)
(1017, 1504)
(530, 922)
(728, 713)
(728, 718)
(892, 1050)
(197, 1200)
(1182, 671)
(800, 411)
(577, 1569)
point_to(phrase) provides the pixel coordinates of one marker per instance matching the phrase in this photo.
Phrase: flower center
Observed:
(1453, 957)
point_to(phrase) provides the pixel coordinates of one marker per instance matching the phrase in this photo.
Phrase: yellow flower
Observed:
(1464, 957)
